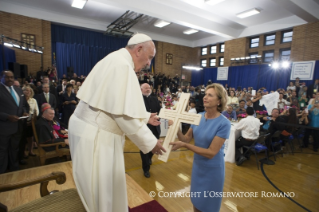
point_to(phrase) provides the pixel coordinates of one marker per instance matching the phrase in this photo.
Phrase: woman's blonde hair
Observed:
(31, 90)
(221, 94)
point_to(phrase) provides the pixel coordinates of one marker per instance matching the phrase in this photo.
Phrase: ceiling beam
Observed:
(296, 10)
(178, 16)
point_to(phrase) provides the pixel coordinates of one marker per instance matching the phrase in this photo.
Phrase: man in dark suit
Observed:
(153, 106)
(12, 106)
(46, 97)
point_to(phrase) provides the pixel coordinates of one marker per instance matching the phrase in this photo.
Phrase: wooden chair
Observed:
(66, 200)
(48, 154)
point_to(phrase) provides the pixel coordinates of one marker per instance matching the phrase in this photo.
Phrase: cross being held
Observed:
(177, 117)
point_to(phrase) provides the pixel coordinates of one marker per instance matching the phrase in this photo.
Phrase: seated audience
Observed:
(191, 108)
(241, 109)
(293, 99)
(291, 86)
(249, 127)
(303, 101)
(229, 113)
(232, 99)
(282, 102)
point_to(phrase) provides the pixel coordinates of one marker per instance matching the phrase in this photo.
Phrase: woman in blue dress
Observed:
(208, 173)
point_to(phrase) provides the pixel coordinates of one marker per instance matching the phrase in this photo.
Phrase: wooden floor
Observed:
(298, 173)
(12, 199)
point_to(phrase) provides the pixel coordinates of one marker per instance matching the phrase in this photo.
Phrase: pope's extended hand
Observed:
(154, 120)
(158, 149)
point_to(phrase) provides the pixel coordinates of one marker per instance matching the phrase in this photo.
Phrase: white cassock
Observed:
(111, 107)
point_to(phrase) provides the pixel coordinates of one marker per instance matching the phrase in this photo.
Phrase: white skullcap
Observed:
(138, 38)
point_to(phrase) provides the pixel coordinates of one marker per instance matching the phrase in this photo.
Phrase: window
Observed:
(287, 36)
(285, 54)
(213, 49)
(204, 51)
(268, 56)
(254, 42)
(222, 47)
(221, 61)
(212, 62)
(270, 39)
(203, 63)
(253, 57)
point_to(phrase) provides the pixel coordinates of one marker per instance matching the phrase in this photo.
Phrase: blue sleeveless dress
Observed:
(208, 175)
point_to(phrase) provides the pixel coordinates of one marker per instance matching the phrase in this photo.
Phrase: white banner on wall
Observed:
(303, 70)
(222, 73)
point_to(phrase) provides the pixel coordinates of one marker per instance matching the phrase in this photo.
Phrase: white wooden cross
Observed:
(178, 116)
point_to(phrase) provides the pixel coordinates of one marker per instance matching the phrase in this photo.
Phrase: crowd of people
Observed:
(297, 105)
(60, 94)
(42, 96)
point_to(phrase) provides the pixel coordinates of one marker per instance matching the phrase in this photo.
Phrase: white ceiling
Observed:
(216, 23)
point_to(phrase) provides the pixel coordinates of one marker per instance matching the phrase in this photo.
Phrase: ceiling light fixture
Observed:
(192, 68)
(79, 3)
(248, 13)
(8, 44)
(161, 23)
(17, 46)
(190, 31)
(213, 2)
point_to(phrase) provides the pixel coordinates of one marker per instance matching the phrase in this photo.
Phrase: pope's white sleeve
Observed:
(137, 131)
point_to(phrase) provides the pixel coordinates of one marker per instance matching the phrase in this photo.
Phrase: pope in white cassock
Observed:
(110, 107)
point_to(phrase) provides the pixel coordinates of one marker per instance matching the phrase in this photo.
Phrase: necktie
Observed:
(47, 97)
(14, 96)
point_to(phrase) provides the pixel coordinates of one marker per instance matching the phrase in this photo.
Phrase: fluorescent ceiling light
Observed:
(190, 31)
(248, 13)
(192, 68)
(213, 2)
(24, 47)
(40, 52)
(79, 3)
(8, 44)
(242, 58)
(247, 58)
(161, 23)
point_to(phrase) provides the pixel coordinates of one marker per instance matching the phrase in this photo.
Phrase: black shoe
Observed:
(150, 161)
(23, 162)
(147, 174)
(240, 161)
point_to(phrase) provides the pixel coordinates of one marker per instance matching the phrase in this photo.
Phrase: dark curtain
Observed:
(210, 74)
(244, 76)
(255, 76)
(197, 78)
(10, 56)
(81, 49)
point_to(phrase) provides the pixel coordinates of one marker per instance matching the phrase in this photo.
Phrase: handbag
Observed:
(285, 133)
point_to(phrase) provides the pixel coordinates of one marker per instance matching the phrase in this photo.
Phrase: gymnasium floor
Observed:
(297, 174)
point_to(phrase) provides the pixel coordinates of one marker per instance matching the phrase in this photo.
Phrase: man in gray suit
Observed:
(12, 106)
